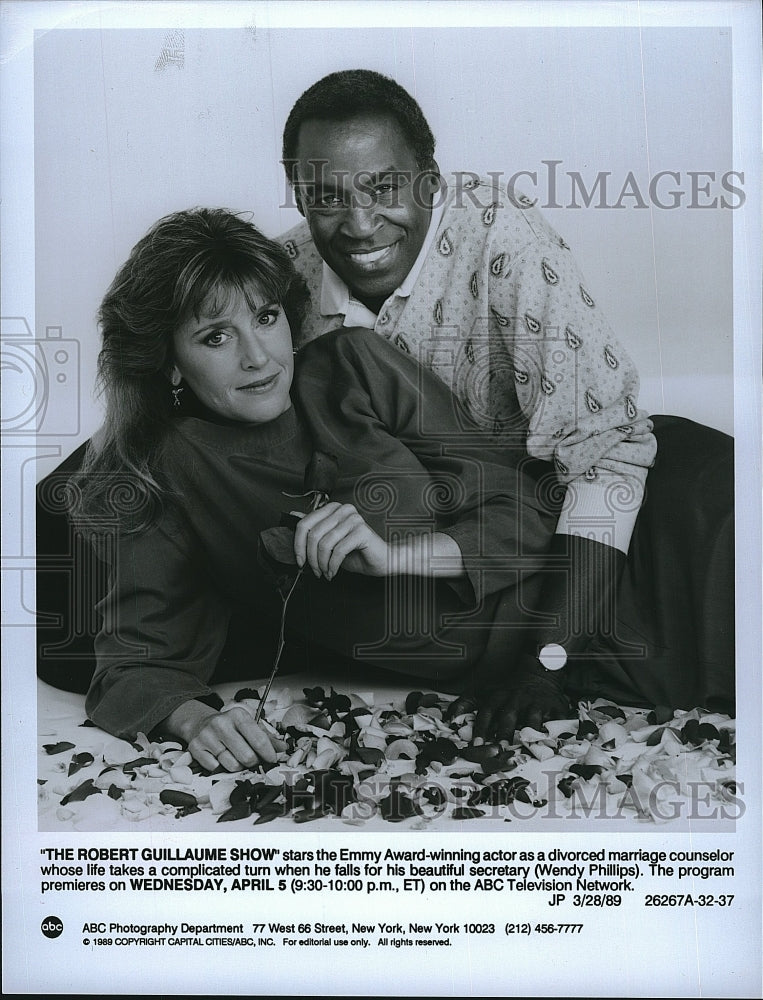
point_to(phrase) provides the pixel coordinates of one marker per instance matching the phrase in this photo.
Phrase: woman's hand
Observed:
(231, 739)
(336, 536)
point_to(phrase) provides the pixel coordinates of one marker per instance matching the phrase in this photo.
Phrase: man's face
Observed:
(366, 201)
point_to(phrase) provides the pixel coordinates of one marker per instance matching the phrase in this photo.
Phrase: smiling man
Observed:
(466, 275)
(368, 203)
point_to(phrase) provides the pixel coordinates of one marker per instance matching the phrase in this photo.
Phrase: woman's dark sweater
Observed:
(411, 462)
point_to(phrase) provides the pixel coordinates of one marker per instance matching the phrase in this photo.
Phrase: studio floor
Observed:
(389, 759)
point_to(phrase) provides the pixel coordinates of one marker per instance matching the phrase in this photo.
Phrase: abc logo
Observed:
(51, 927)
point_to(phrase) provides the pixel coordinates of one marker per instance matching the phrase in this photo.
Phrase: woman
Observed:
(430, 538)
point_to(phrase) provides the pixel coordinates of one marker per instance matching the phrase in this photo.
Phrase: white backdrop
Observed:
(132, 124)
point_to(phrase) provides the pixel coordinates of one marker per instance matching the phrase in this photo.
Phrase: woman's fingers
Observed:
(325, 537)
(306, 525)
(330, 535)
(238, 750)
(205, 757)
(356, 537)
(231, 739)
(254, 737)
(228, 761)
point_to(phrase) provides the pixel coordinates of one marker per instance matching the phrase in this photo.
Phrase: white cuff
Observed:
(603, 509)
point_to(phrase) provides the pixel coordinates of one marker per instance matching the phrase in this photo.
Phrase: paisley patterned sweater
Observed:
(499, 311)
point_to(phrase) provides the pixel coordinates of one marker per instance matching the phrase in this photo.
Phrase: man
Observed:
(470, 279)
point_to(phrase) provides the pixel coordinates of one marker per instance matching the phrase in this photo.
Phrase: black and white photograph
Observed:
(382, 533)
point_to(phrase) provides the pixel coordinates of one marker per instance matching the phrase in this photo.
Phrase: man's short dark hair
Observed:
(353, 92)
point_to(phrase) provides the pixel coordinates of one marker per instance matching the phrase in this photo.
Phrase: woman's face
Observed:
(239, 361)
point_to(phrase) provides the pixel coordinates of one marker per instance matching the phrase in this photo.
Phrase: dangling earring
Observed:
(177, 388)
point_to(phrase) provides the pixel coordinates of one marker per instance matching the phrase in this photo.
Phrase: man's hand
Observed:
(530, 697)
(231, 739)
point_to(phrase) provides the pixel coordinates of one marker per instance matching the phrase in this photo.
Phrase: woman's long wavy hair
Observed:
(186, 260)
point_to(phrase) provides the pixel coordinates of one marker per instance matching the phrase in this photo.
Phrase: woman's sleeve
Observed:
(478, 492)
(161, 633)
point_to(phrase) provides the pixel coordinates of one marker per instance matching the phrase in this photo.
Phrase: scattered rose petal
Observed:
(300, 715)
(614, 732)
(596, 755)
(430, 711)
(467, 812)
(637, 721)
(182, 774)
(175, 797)
(541, 751)
(328, 754)
(660, 716)
(354, 758)
(402, 748)
(81, 792)
(726, 791)
(557, 727)
(78, 761)
(219, 795)
(575, 749)
(608, 709)
(373, 739)
(54, 748)
(397, 806)
(396, 727)
(242, 810)
(586, 771)
(529, 735)
(412, 702)
(113, 776)
(98, 812)
(138, 762)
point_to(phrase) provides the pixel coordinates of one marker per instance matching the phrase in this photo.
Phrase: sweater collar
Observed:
(232, 436)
